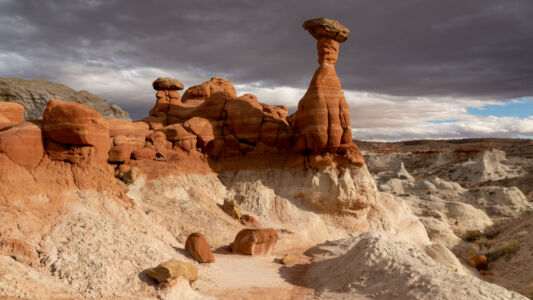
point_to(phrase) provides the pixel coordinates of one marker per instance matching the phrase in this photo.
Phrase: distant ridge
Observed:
(34, 95)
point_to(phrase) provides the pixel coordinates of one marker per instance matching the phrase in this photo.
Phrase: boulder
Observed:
(165, 83)
(173, 269)
(255, 241)
(23, 143)
(198, 248)
(77, 124)
(323, 27)
(479, 262)
(232, 208)
(13, 112)
(208, 88)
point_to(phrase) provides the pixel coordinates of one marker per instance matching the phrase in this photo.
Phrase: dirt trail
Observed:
(246, 277)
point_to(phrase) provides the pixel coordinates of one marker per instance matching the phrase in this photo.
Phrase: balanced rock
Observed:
(173, 269)
(76, 124)
(23, 143)
(323, 118)
(323, 27)
(205, 90)
(165, 83)
(255, 241)
(198, 247)
(232, 208)
(13, 112)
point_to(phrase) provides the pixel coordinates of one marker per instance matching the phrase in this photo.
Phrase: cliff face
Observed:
(34, 95)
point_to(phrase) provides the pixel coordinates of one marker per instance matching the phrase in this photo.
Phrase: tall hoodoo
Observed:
(323, 117)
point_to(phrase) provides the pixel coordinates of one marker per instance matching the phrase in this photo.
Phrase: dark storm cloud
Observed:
(476, 48)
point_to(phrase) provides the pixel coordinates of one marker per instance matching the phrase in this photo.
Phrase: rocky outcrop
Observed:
(23, 143)
(74, 124)
(198, 248)
(255, 241)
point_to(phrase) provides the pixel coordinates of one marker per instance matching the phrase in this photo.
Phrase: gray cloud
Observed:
(477, 49)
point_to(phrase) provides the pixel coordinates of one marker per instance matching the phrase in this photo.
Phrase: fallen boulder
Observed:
(198, 247)
(255, 241)
(173, 269)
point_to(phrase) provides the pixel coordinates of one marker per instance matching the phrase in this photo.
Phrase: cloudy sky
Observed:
(411, 69)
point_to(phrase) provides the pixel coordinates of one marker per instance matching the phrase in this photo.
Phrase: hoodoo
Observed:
(323, 117)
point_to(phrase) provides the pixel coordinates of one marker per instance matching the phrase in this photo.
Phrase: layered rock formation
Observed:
(34, 95)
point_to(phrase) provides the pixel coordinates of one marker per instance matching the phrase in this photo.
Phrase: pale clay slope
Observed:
(98, 249)
(382, 267)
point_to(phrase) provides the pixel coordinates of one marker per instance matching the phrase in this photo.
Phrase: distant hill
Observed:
(34, 94)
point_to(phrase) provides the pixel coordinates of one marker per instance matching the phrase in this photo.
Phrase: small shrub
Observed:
(472, 235)
(507, 249)
(483, 242)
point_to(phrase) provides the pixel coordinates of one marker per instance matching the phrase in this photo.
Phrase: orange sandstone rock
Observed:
(245, 116)
(165, 83)
(120, 127)
(479, 262)
(255, 241)
(198, 247)
(23, 143)
(208, 88)
(248, 220)
(323, 117)
(76, 124)
(13, 112)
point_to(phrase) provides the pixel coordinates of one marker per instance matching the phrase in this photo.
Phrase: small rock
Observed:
(130, 176)
(173, 269)
(479, 262)
(198, 247)
(232, 208)
(248, 220)
(290, 260)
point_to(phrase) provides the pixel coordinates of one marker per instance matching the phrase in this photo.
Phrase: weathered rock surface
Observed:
(198, 248)
(323, 118)
(205, 90)
(76, 124)
(13, 112)
(34, 95)
(23, 143)
(255, 241)
(173, 269)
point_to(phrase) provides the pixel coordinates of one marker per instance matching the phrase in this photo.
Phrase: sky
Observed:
(410, 69)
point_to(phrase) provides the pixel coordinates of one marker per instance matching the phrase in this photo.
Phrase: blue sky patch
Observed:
(441, 121)
(519, 108)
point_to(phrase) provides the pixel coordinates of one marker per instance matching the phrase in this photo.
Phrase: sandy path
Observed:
(245, 277)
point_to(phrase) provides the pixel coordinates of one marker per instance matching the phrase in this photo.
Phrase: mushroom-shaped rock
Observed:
(323, 117)
(165, 83)
(173, 269)
(255, 241)
(13, 112)
(324, 27)
(198, 247)
(76, 124)
(205, 90)
(23, 143)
